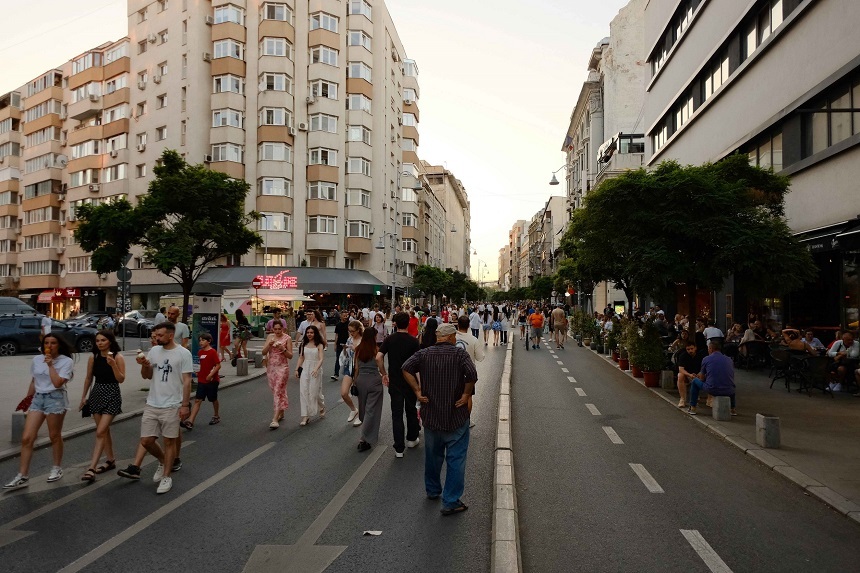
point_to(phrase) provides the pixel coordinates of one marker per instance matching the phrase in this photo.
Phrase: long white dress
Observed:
(310, 386)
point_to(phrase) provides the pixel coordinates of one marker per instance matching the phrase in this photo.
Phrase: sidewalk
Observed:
(820, 435)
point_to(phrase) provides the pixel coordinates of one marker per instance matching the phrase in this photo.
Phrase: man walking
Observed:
(341, 336)
(399, 347)
(473, 347)
(717, 377)
(559, 327)
(183, 335)
(276, 317)
(448, 378)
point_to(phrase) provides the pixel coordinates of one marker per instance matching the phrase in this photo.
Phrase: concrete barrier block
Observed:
(721, 409)
(252, 354)
(667, 380)
(767, 433)
(18, 419)
(258, 360)
(242, 367)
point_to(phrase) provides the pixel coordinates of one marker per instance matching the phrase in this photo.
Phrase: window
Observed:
(358, 133)
(83, 92)
(41, 215)
(84, 177)
(410, 220)
(323, 122)
(274, 151)
(114, 173)
(42, 241)
(86, 62)
(323, 55)
(276, 82)
(228, 152)
(360, 7)
(322, 88)
(141, 16)
(409, 95)
(408, 195)
(358, 229)
(140, 170)
(114, 54)
(278, 186)
(227, 83)
(409, 246)
(45, 81)
(358, 165)
(36, 138)
(43, 109)
(275, 116)
(322, 224)
(12, 148)
(41, 162)
(79, 264)
(8, 198)
(86, 148)
(161, 133)
(161, 101)
(162, 37)
(7, 246)
(141, 47)
(227, 117)
(116, 142)
(37, 189)
(322, 156)
(275, 222)
(359, 70)
(184, 71)
(349, 264)
(280, 12)
(114, 113)
(359, 197)
(409, 119)
(322, 190)
(276, 47)
(141, 138)
(6, 125)
(41, 268)
(409, 145)
(410, 68)
(229, 49)
(324, 21)
(161, 69)
(116, 83)
(229, 13)
(359, 38)
(320, 262)
(358, 102)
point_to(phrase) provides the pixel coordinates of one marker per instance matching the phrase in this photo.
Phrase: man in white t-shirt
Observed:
(473, 348)
(169, 366)
(712, 331)
(183, 334)
(46, 326)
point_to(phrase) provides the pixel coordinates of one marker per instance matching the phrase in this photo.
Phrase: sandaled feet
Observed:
(215, 420)
(459, 508)
(274, 425)
(89, 475)
(107, 466)
(304, 421)
(186, 424)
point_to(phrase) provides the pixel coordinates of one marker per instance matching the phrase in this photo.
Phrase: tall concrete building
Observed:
(452, 195)
(779, 81)
(314, 104)
(515, 246)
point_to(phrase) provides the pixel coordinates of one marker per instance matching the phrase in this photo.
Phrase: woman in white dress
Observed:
(309, 373)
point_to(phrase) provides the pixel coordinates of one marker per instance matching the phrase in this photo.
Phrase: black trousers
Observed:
(340, 348)
(403, 400)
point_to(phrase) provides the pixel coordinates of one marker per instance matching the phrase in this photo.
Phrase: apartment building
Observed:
(779, 81)
(515, 246)
(455, 201)
(504, 281)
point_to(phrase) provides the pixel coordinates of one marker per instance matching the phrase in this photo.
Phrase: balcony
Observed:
(623, 152)
(322, 242)
(86, 108)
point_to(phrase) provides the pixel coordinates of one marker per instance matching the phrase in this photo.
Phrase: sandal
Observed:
(107, 466)
(89, 475)
(214, 420)
(187, 425)
(459, 508)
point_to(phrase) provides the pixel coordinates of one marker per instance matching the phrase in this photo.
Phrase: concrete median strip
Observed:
(505, 557)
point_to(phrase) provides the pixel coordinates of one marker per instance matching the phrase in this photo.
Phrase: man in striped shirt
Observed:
(448, 379)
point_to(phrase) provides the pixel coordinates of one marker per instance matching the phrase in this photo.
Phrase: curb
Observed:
(81, 430)
(809, 485)
(505, 551)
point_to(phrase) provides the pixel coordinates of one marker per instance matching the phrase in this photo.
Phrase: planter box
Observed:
(636, 371)
(586, 341)
(624, 364)
(615, 356)
(652, 379)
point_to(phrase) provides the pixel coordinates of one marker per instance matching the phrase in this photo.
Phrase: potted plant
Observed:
(632, 342)
(612, 339)
(651, 357)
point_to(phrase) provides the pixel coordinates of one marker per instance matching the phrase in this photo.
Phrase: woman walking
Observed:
(50, 370)
(105, 372)
(278, 350)
(497, 325)
(428, 336)
(486, 324)
(505, 316)
(475, 322)
(224, 337)
(243, 334)
(309, 373)
(347, 363)
(369, 377)
(378, 325)
(316, 319)
(521, 319)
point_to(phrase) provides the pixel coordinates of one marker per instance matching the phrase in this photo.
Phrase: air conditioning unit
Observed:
(141, 84)
(114, 153)
(385, 205)
(2, 160)
(207, 159)
(152, 38)
(16, 278)
(156, 79)
(393, 139)
(210, 20)
(61, 250)
(303, 126)
(408, 102)
(94, 188)
(94, 97)
(310, 99)
(207, 57)
(292, 130)
(141, 146)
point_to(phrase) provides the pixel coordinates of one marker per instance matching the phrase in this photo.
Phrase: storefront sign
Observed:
(823, 244)
(72, 293)
(282, 280)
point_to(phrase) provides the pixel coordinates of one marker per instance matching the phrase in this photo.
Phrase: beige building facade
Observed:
(452, 195)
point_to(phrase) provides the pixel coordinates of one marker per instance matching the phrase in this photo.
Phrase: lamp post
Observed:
(265, 244)
(554, 180)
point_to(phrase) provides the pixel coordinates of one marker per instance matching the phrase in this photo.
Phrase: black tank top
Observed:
(102, 372)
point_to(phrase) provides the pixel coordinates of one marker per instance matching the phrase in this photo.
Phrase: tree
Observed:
(190, 218)
(432, 281)
(542, 287)
(690, 225)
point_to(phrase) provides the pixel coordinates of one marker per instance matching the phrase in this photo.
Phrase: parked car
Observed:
(20, 333)
(88, 319)
(137, 323)
(12, 305)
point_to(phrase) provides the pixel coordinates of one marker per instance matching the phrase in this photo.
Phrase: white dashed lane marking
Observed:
(705, 551)
(580, 391)
(613, 435)
(560, 362)
(571, 379)
(646, 478)
(565, 370)
(593, 409)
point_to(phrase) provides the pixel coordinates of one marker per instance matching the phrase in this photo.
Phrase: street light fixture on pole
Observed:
(554, 181)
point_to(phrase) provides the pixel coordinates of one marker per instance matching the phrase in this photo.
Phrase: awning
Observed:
(849, 238)
(309, 280)
(824, 238)
(47, 296)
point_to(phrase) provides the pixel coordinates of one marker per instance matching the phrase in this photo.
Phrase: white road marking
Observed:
(646, 478)
(554, 355)
(565, 370)
(580, 391)
(593, 409)
(705, 551)
(571, 379)
(613, 435)
(560, 362)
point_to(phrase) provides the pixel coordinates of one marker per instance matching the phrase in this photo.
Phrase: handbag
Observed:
(85, 411)
(24, 405)
(353, 390)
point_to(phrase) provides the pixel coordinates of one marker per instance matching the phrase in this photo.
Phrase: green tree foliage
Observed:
(692, 225)
(541, 287)
(191, 217)
(432, 281)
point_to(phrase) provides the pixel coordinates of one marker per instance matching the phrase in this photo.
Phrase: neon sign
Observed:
(282, 280)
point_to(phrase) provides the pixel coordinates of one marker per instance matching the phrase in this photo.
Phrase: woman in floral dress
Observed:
(278, 350)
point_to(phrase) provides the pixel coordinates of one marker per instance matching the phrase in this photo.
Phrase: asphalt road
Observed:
(583, 506)
(299, 498)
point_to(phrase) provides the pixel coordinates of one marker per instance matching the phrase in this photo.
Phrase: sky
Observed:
(498, 82)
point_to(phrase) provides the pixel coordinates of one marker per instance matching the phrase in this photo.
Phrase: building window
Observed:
(358, 165)
(275, 116)
(141, 47)
(116, 142)
(227, 117)
(358, 102)
(835, 120)
(409, 119)
(227, 83)
(409, 95)
(114, 173)
(83, 177)
(323, 122)
(41, 268)
(409, 246)
(140, 170)
(113, 84)
(358, 229)
(322, 156)
(407, 194)
(410, 220)
(275, 11)
(323, 55)
(324, 21)
(86, 148)
(141, 16)
(349, 264)
(229, 13)
(161, 101)
(316, 261)
(278, 186)
(322, 88)
(41, 215)
(276, 82)
(36, 138)
(228, 152)
(322, 224)
(229, 49)
(409, 145)
(275, 222)
(161, 133)
(358, 197)
(80, 264)
(359, 70)
(37, 189)
(114, 113)
(116, 53)
(359, 7)
(276, 47)
(274, 151)
(359, 38)
(161, 69)
(410, 68)
(322, 190)
(162, 37)
(358, 133)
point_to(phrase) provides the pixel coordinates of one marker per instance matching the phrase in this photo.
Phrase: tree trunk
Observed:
(187, 285)
(691, 297)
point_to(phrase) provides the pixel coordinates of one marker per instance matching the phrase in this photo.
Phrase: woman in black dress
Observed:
(105, 372)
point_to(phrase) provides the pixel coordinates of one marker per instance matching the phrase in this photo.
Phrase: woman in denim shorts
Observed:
(51, 370)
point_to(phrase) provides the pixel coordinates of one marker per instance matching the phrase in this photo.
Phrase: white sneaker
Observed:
(165, 485)
(17, 483)
(471, 424)
(398, 454)
(357, 421)
(413, 443)
(159, 473)
(56, 473)
(352, 415)
(837, 387)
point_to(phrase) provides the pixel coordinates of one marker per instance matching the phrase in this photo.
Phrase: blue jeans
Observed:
(696, 387)
(475, 332)
(448, 447)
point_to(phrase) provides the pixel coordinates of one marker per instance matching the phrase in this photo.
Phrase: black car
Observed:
(137, 323)
(20, 333)
(89, 319)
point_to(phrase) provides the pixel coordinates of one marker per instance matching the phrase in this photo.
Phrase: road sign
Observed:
(257, 282)
(126, 259)
(124, 274)
(122, 287)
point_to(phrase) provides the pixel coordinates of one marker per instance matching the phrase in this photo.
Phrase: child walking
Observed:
(207, 381)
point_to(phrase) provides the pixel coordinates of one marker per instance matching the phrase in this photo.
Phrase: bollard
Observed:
(18, 419)
(258, 360)
(667, 380)
(252, 354)
(242, 367)
(767, 430)
(721, 409)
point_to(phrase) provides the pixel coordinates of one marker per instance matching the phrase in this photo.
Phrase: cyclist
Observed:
(536, 322)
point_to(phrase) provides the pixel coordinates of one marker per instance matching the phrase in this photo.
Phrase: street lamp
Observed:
(554, 181)
(265, 244)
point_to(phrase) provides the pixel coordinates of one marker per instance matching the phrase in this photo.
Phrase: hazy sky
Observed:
(498, 80)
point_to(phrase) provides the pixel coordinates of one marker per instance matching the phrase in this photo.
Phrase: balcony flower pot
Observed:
(652, 378)
(624, 363)
(636, 371)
